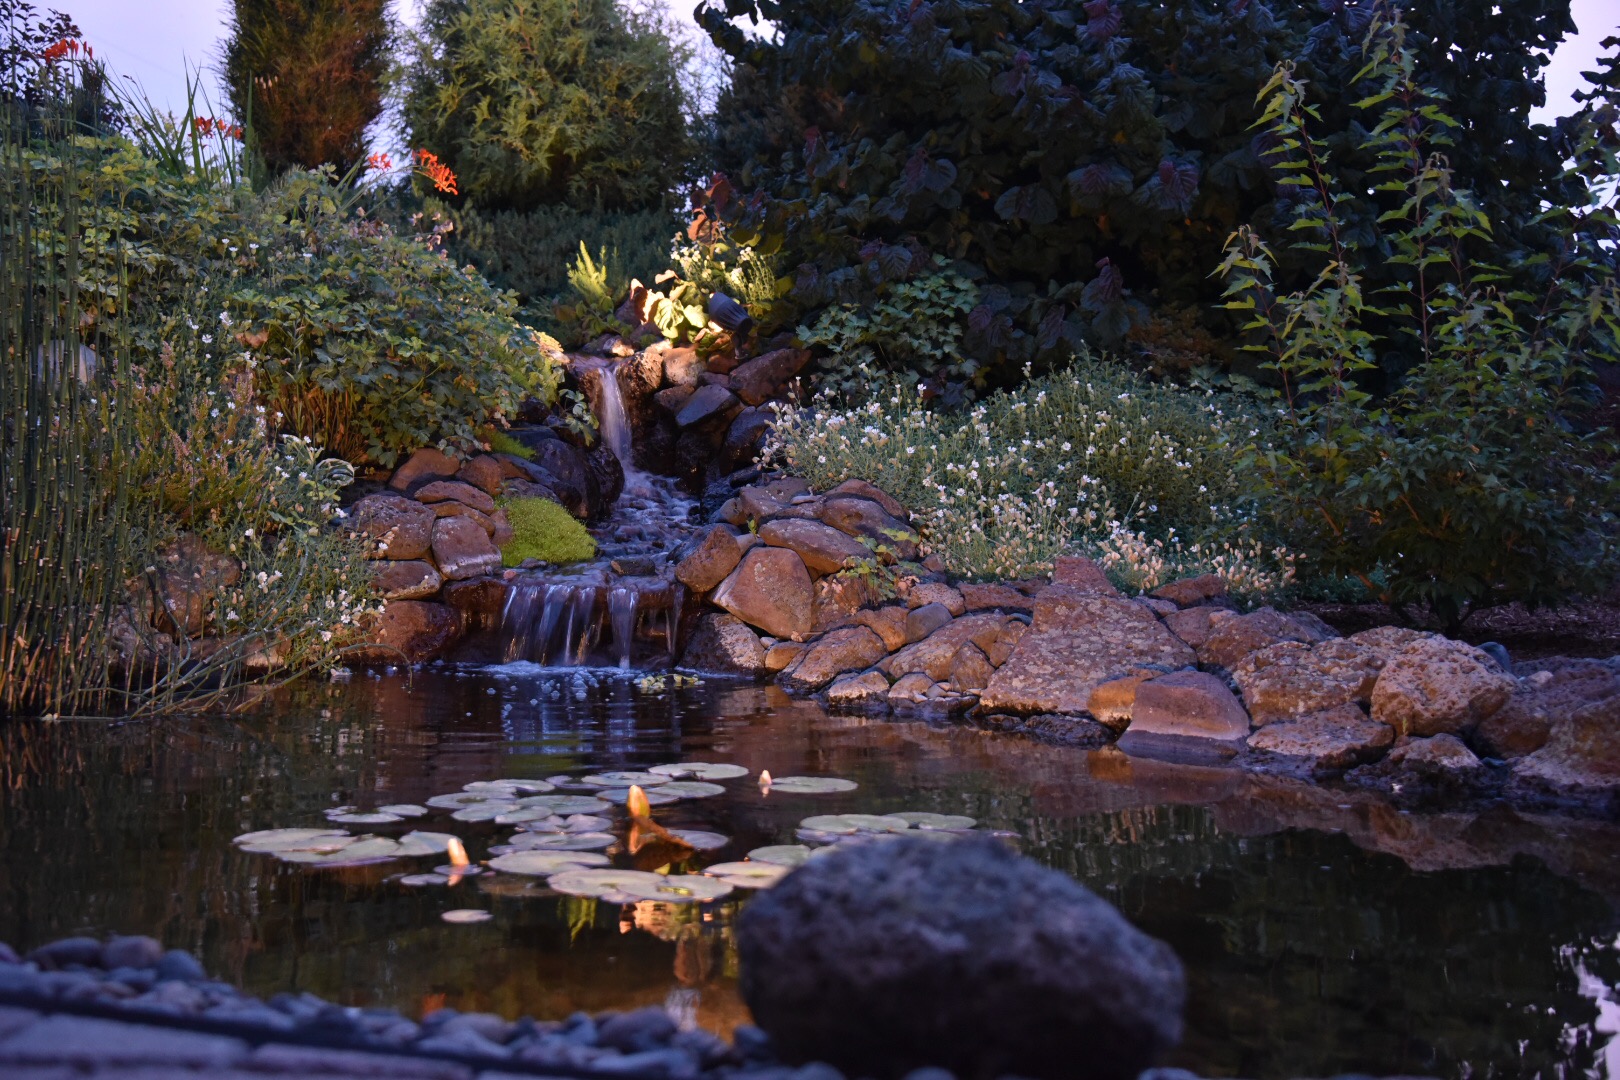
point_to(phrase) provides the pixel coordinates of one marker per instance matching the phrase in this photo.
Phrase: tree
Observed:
(309, 73)
(546, 102)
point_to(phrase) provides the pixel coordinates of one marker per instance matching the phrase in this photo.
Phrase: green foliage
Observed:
(541, 529)
(1092, 459)
(1082, 162)
(308, 73)
(1472, 483)
(501, 443)
(544, 102)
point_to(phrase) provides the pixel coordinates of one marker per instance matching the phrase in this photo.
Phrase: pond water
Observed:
(1323, 930)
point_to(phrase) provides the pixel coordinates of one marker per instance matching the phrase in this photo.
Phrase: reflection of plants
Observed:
(579, 912)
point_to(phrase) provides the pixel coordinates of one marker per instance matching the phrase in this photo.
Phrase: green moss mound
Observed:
(502, 443)
(543, 530)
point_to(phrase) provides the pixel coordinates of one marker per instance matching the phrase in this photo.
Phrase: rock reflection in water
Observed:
(1323, 930)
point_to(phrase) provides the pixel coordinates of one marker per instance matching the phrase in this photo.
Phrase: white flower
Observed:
(249, 534)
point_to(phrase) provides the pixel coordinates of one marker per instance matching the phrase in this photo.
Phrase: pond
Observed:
(1323, 930)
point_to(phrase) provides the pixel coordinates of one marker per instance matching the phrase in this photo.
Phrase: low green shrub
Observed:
(543, 530)
(500, 442)
(1093, 460)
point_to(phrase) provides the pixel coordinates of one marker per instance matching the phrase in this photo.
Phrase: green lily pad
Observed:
(349, 816)
(273, 841)
(811, 785)
(624, 779)
(568, 783)
(924, 820)
(403, 810)
(362, 852)
(466, 915)
(523, 815)
(578, 823)
(561, 842)
(700, 770)
(416, 880)
(510, 788)
(426, 843)
(655, 796)
(450, 871)
(849, 824)
(545, 863)
(692, 789)
(698, 840)
(748, 875)
(788, 855)
(603, 884)
(679, 888)
(487, 811)
(455, 800)
(566, 804)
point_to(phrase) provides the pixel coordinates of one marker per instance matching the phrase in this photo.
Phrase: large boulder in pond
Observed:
(893, 955)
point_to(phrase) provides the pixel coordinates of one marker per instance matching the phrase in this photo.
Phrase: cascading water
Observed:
(624, 607)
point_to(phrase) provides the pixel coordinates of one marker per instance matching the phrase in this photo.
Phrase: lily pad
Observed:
(578, 823)
(624, 779)
(748, 875)
(698, 840)
(655, 797)
(811, 785)
(511, 788)
(403, 810)
(603, 884)
(363, 851)
(487, 811)
(561, 842)
(453, 871)
(690, 789)
(425, 843)
(924, 820)
(345, 815)
(568, 783)
(523, 815)
(455, 800)
(274, 841)
(849, 824)
(700, 770)
(788, 855)
(416, 880)
(466, 915)
(544, 863)
(679, 888)
(566, 804)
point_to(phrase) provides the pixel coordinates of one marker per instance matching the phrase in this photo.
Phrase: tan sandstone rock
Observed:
(723, 645)
(1192, 704)
(406, 579)
(1292, 678)
(712, 556)
(400, 528)
(463, 549)
(1437, 686)
(770, 589)
(1337, 738)
(933, 654)
(854, 648)
(823, 548)
(864, 690)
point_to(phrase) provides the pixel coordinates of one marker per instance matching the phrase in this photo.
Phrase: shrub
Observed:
(1092, 459)
(544, 102)
(541, 529)
(1471, 484)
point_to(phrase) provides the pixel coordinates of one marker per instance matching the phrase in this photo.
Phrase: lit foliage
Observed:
(1472, 484)
(541, 529)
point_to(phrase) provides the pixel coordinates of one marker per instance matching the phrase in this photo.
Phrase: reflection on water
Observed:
(1323, 930)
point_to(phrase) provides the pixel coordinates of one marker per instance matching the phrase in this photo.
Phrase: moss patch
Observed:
(543, 530)
(502, 443)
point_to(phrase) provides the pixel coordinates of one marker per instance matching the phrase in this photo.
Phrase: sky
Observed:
(155, 41)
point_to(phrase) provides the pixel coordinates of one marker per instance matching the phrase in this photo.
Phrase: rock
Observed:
(925, 620)
(1437, 686)
(1080, 640)
(484, 473)
(770, 589)
(1007, 638)
(1188, 703)
(823, 548)
(1437, 753)
(1334, 739)
(937, 592)
(1388, 640)
(76, 951)
(480, 601)
(132, 951)
(423, 466)
(888, 956)
(412, 631)
(851, 649)
(864, 690)
(569, 476)
(456, 509)
(180, 966)
(606, 472)
(1161, 608)
(190, 576)
(1111, 702)
(1522, 725)
(712, 555)
(1078, 731)
(745, 436)
(463, 549)
(863, 517)
(971, 670)
(528, 489)
(1291, 678)
(401, 528)
(1581, 755)
(721, 644)
(410, 579)
(863, 490)
(911, 689)
(889, 623)
(1193, 591)
(761, 378)
(1082, 574)
(503, 533)
(1234, 639)
(439, 491)
(682, 366)
(780, 657)
(1498, 652)
(706, 402)
(994, 597)
(673, 399)
(933, 654)
(1194, 625)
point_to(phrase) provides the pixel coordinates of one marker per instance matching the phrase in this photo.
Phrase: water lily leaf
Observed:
(271, 841)
(848, 824)
(363, 851)
(568, 783)
(509, 788)
(788, 855)
(586, 823)
(425, 843)
(523, 815)
(562, 841)
(655, 797)
(700, 770)
(450, 870)
(691, 789)
(625, 779)
(748, 875)
(815, 836)
(811, 785)
(603, 884)
(466, 915)
(355, 817)
(414, 880)
(924, 820)
(679, 888)
(455, 800)
(567, 804)
(403, 810)
(698, 840)
(486, 811)
(544, 863)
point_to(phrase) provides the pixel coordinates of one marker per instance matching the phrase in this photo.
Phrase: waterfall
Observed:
(615, 424)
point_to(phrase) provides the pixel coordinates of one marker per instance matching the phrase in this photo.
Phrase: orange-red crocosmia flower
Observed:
(379, 162)
(62, 49)
(438, 173)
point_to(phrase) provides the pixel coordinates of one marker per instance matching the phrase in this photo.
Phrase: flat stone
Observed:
(455, 491)
(411, 580)
(423, 466)
(1077, 731)
(723, 645)
(1338, 738)
(412, 632)
(1236, 638)
(1083, 574)
(705, 402)
(863, 490)
(1582, 752)
(863, 517)
(925, 620)
(1437, 686)
(672, 399)
(911, 688)
(1437, 753)
(937, 592)
(762, 377)
(933, 654)
(91, 1043)
(1085, 639)
(400, 528)
(484, 473)
(463, 549)
(1523, 725)
(1193, 591)
(1111, 702)
(780, 656)
(994, 598)
(712, 556)
(861, 690)
(851, 649)
(770, 589)
(1292, 678)
(1161, 608)
(1192, 704)
(971, 670)
(459, 509)
(823, 548)
(1194, 625)
(888, 622)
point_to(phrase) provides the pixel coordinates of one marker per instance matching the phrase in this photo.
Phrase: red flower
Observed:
(380, 162)
(64, 49)
(429, 166)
